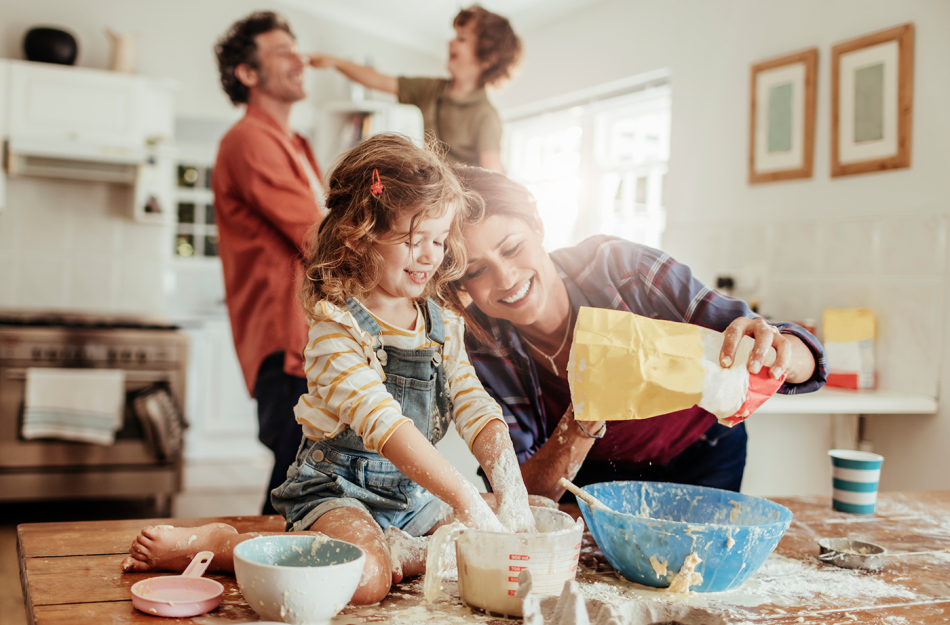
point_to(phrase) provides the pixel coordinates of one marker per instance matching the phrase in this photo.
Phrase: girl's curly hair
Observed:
(237, 47)
(497, 43)
(341, 261)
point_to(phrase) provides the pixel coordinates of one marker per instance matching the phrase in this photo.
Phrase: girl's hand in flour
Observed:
(492, 447)
(475, 512)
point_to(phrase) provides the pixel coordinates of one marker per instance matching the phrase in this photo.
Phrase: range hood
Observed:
(57, 158)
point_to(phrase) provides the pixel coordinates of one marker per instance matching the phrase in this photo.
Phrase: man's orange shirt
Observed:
(264, 208)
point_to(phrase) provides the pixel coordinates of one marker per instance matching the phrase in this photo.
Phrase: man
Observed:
(268, 194)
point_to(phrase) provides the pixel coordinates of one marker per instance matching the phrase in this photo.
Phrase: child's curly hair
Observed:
(341, 261)
(497, 44)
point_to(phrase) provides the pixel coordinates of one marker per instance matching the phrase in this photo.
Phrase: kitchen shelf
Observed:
(842, 401)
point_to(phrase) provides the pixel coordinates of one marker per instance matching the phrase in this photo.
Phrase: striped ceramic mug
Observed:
(855, 475)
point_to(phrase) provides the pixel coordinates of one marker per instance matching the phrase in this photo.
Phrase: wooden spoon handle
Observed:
(592, 501)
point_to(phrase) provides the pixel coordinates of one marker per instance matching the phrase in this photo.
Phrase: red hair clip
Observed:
(377, 186)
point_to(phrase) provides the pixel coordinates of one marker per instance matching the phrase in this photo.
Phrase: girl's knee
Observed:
(357, 527)
(376, 579)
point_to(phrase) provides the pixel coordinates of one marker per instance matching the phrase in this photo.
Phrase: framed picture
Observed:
(872, 84)
(782, 118)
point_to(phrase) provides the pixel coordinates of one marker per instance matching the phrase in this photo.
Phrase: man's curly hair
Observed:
(497, 44)
(238, 47)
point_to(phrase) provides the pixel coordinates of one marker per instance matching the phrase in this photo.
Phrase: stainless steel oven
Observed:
(148, 353)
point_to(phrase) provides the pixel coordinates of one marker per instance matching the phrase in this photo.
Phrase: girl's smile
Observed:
(419, 277)
(408, 265)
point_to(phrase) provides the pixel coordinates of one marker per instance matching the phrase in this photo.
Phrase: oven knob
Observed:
(111, 354)
(51, 354)
(37, 353)
(140, 356)
(126, 355)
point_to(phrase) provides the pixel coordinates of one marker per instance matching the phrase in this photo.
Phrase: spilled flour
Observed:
(780, 581)
(783, 577)
(572, 608)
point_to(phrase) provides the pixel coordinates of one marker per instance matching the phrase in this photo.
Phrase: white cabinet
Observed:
(76, 104)
(341, 125)
(94, 125)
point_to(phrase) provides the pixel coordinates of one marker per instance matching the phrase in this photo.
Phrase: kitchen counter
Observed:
(844, 401)
(70, 573)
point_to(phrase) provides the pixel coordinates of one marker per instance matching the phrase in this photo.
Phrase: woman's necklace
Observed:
(570, 317)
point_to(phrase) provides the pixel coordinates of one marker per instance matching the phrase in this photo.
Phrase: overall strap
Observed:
(363, 318)
(435, 325)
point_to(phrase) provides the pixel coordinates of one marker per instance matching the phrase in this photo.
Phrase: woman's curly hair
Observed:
(497, 43)
(341, 261)
(238, 47)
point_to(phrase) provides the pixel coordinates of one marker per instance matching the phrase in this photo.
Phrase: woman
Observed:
(520, 327)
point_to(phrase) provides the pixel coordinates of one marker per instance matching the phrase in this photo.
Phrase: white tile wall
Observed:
(74, 246)
(896, 267)
(848, 247)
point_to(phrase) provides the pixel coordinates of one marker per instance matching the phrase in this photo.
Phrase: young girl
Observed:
(387, 371)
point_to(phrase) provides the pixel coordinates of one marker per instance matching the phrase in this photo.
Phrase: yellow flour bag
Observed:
(623, 366)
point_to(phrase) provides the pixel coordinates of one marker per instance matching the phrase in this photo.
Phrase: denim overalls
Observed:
(341, 472)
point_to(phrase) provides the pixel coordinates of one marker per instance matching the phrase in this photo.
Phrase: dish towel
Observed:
(83, 405)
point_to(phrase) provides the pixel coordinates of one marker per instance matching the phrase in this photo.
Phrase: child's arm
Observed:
(414, 455)
(496, 455)
(363, 74)
(479, 421)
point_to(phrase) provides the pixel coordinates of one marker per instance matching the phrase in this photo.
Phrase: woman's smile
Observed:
(520, 294)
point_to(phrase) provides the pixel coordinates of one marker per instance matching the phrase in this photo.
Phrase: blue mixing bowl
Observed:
(731, 532)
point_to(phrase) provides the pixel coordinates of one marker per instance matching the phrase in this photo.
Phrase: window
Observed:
(597, 165)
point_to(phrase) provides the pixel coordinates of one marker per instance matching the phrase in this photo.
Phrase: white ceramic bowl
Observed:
(305, 580)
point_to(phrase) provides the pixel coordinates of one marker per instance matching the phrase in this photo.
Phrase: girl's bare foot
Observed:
(167, 548)
(407, 554)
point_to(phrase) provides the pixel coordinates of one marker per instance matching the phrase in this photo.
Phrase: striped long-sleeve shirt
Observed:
(345, 380)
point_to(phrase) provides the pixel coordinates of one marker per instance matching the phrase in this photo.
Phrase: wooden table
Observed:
(70, 573)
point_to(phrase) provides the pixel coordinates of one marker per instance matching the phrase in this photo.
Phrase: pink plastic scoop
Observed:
(188, 594)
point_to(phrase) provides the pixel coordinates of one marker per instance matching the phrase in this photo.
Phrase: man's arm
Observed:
(363, 74)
